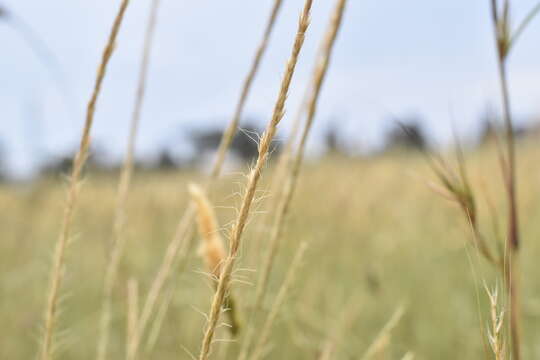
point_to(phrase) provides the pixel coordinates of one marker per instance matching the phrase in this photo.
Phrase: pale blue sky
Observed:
(425, 57)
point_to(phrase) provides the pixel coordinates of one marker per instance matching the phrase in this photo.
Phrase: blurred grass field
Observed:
(378, 238)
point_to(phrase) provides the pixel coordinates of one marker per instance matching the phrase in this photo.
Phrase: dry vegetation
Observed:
(343, 258)
(393, 244)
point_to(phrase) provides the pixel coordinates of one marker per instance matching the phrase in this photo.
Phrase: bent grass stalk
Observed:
(157, 324)
(119, 221)
(253, 179)
(290, 184)
(341, 325)
(181, 241)
(278, 302)
(57, 271)
(383, 338)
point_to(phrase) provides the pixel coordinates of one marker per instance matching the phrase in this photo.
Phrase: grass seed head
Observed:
(211, 249)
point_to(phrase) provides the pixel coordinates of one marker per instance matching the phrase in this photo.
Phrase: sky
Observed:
(418, 58)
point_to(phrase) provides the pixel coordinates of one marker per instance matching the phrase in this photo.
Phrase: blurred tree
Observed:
(406, 134)
(3, 169)
(491, 127)
(332, 140)
(58, 165)
(166, 161)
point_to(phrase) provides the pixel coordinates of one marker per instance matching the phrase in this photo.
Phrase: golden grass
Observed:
(304, 327)
(211, 248)
(286, 194)
(181, 240)
(495, 336)
(382, 340)
(57, 271)
(253, 179)
(369, 246)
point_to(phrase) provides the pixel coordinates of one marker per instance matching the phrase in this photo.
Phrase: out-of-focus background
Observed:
(392, 269)
(427, 62)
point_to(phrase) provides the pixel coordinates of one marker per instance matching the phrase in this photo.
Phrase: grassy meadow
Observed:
(400, 255)
(377, 239)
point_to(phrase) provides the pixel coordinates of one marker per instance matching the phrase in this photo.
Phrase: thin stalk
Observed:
(513, 225)
(382, 339)
(279, 174)
(341, 326)
(290, 184)
(253, 179)
(503, 41)
(278, 302)
(158, 321)
(124, 182)
(57, 271)
(524, 24)
(284, 158)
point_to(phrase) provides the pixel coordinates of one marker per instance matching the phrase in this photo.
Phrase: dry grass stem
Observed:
(290, 183)
(504, 41)
(264, 333)
(253, 179)
(455, 187)
(383, 339)
(57, 270)
(155, 330)
(341, 325)
(284, 158)
(119, 221)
